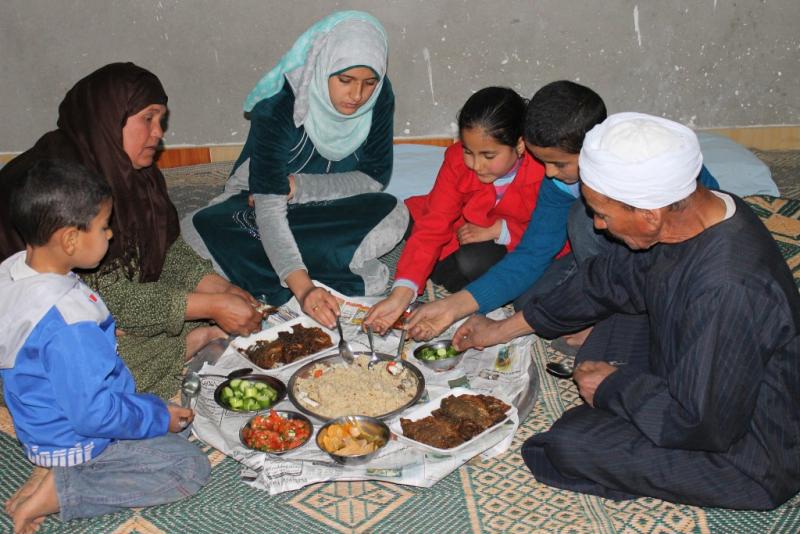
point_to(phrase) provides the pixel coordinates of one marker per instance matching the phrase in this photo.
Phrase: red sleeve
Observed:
(434, 222)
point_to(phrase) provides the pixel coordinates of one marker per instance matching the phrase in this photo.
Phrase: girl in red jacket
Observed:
(478, 208)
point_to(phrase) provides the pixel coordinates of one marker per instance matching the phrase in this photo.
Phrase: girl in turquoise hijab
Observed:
(304, 200)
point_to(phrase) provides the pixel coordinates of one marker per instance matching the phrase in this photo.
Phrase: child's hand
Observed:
(472, 233)
(384, 314)
(179, 418)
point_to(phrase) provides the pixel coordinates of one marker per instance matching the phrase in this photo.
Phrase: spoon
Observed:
(345, 351)
(190, 387)
(374, 359)
(402, 342)
(558, 369)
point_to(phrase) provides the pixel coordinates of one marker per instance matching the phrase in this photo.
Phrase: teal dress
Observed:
(327, 233)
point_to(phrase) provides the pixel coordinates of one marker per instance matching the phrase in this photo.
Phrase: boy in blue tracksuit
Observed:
(98, 446)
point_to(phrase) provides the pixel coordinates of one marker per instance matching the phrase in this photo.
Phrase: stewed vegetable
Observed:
(273, 433)
(248, 395)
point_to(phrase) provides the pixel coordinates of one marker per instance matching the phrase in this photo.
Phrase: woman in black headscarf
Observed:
(156, 287)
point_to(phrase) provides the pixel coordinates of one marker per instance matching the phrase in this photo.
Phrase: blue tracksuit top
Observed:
(69, 393)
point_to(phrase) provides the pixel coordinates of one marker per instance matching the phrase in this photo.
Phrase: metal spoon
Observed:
(345, 351)
(402, 342)
(374, 359)
(190, 388)
(559, 369)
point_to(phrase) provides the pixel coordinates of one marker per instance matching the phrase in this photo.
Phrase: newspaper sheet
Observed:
(504, 371)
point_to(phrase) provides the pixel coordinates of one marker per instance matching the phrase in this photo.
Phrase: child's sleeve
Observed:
(94, 388)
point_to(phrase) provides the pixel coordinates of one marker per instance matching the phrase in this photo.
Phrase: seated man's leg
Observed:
(592, 451)
(132, 474)
(624, 339)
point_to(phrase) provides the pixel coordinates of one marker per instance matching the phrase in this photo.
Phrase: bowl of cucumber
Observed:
(438, 355)
(250, 393)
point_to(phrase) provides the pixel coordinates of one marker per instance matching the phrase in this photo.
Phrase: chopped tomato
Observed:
(274, 433)
(318, 373)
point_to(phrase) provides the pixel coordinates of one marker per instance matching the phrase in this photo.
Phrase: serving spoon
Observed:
(345, 351)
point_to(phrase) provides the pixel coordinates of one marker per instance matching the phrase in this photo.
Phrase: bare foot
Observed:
(32, 510)
(578, 338)
(27, 489)
(200, 337)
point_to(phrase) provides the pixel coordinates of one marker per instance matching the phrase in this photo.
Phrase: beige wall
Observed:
(707, 63)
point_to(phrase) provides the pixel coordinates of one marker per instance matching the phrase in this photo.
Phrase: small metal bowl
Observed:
(369, 425)
(445, 364)
(286, 414)
(271, 381)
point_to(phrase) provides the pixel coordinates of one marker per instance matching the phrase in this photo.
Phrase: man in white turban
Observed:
(701, 317)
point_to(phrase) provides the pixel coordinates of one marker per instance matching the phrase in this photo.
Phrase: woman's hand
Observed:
(315, 302)
(472, 233)
(383, 315)
(234, 314)
(321, 306)
(238, 291)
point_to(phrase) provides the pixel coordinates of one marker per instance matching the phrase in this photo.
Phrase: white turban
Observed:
(644, 161)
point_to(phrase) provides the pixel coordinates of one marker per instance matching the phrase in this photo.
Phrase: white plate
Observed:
(427, 409)
(271, 334)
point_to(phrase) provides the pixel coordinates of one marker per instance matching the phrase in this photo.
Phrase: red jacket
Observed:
(459, 197)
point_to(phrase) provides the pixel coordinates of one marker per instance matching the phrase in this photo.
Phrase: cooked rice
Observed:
(355, 389)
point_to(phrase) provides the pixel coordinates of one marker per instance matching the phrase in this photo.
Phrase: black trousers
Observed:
(466, 264)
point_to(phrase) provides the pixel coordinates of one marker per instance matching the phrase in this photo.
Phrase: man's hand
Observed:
(588, 376)
(477, 332)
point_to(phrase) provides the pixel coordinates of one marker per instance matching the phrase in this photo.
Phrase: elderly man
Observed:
(701, 317)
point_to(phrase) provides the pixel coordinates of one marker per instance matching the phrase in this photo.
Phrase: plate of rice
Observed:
(327, 388)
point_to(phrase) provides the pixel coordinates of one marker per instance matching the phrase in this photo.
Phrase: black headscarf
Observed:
(90, 121)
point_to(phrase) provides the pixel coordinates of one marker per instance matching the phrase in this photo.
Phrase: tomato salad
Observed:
(273, 433)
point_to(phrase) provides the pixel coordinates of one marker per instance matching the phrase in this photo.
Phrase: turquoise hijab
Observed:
(338, 42)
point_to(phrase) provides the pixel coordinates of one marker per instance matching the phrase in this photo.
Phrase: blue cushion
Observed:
(415, 169)
(736, 169)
